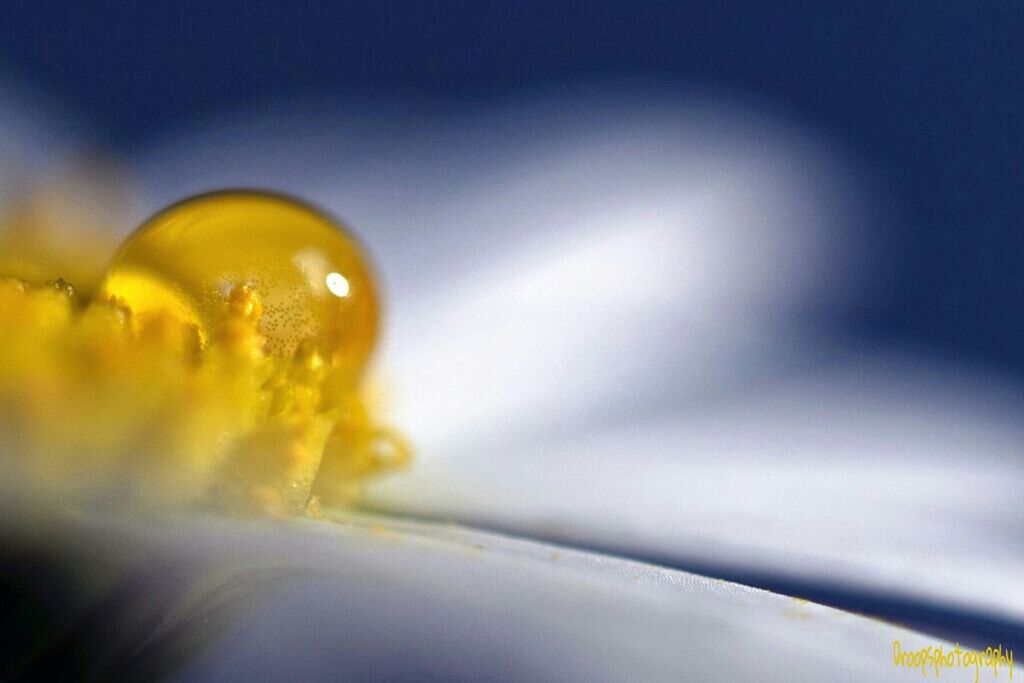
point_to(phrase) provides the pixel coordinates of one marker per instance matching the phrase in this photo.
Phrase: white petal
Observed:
(881, 476)
(594, 324)
(368, 597)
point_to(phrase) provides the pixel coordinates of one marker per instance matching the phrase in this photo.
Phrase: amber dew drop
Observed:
(313, 280)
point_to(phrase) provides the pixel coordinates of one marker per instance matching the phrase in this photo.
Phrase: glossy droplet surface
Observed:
(313, 280)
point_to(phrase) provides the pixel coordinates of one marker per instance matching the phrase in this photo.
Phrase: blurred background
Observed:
(732, 287)
(923, 95)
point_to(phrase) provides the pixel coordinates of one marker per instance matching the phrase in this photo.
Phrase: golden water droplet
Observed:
(198, 258)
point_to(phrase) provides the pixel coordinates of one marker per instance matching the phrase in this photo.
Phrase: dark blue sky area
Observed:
(928, 94)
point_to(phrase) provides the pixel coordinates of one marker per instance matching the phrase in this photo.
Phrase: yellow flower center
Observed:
(220, 364)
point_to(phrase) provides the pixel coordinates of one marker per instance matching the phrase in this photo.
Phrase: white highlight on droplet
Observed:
(338, 284)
